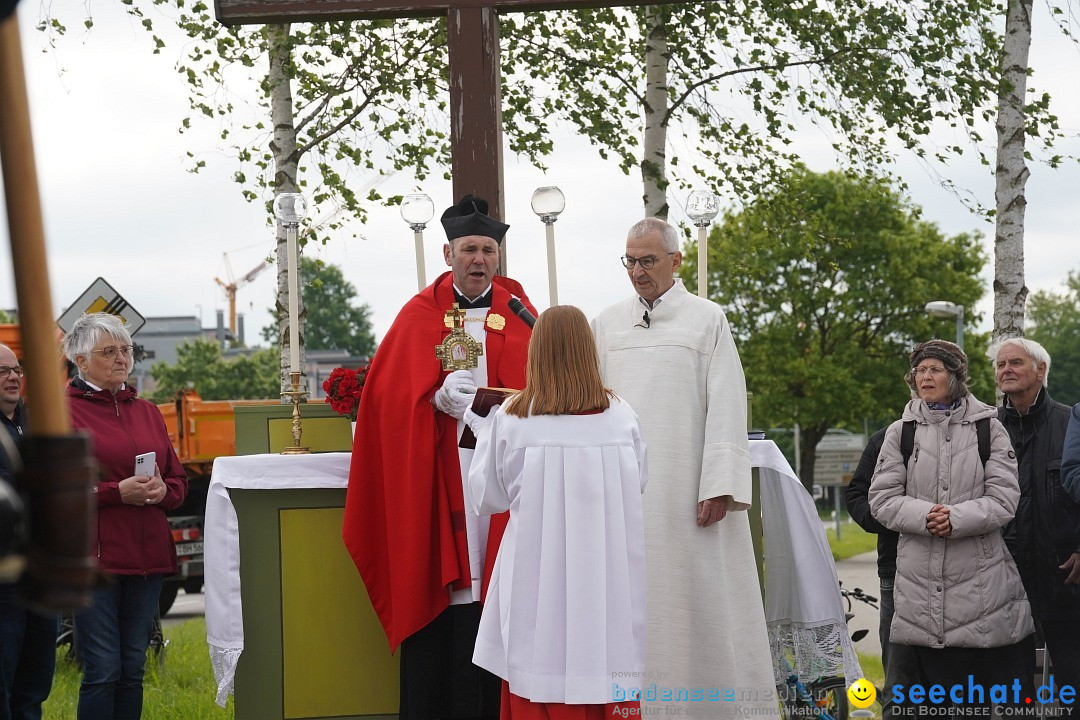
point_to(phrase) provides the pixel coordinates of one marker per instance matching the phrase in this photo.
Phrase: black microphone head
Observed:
(519, 309)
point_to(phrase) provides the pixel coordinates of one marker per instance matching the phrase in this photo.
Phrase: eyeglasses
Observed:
(6, 370)
(932, 371)
(646, 263)
(110, 352)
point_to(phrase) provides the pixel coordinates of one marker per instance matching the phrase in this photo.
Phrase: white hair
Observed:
(669, 237)
(88, 329)
(1036, 352)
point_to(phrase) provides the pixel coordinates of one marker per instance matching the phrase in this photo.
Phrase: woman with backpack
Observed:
(958, 597)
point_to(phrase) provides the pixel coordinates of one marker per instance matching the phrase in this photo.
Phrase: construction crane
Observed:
(232, 286)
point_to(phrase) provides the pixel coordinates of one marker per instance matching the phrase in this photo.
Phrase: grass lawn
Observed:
(853, 541)
(183, 690)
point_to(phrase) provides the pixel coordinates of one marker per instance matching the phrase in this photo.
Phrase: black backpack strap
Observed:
(982, 430)
(907, 440)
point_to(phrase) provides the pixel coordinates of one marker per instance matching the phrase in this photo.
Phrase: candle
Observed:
(703, 262)
(294, 303)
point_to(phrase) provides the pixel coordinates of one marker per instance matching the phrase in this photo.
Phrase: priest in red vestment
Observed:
(422, 554)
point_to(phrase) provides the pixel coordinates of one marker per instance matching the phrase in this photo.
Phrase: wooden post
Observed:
(36, 320)
(476, 108)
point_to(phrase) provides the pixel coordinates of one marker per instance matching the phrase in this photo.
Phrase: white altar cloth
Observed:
(804, 612)
(224, 614)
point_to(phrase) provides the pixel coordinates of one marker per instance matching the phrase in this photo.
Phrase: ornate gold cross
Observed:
(458, 350)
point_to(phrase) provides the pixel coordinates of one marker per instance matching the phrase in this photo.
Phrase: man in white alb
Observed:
(671, 355)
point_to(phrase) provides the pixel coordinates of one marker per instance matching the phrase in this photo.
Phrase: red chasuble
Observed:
(405, 509)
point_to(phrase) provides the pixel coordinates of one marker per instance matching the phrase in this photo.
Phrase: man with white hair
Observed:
(671, 355)
(1044, 537)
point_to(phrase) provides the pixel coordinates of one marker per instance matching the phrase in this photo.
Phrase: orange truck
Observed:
(200, 431)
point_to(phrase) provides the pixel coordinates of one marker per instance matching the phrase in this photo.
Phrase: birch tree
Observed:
(1010, 289)
(323, 109)
(743, 79)
(655, 111)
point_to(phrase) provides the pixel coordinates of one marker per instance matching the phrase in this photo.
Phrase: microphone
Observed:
(522, 312)
(645, 319)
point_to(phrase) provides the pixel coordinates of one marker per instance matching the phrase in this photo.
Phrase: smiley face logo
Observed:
(862, 693)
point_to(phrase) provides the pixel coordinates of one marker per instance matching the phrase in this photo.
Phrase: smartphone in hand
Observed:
(144, 464)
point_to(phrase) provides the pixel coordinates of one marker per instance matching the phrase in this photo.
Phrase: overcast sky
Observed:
(119, 204)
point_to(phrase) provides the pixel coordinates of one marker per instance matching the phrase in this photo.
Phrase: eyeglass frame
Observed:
(6, 370)
(125, 350)
(652, 260)
(932, 371)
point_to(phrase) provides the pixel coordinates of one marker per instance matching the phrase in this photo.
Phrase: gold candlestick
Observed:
(296, 393)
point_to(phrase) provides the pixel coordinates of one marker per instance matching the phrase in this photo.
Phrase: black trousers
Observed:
(438, 678)
(976, 671)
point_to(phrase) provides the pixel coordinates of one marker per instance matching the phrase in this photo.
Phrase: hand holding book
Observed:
(487, 398)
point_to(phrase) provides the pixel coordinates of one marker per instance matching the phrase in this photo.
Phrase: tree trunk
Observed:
(286, 160)
(1010, 291)
(654, 152)
(808, 451)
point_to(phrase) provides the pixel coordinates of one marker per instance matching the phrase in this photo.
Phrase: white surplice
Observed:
(564, 618)
(683, 376)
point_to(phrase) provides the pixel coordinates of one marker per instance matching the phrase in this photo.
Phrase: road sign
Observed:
(101, 297)
(842, 442)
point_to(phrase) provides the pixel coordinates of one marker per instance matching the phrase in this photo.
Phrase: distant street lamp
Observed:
(702, 206)
(417, 209)
(548, 202)
(946, 309)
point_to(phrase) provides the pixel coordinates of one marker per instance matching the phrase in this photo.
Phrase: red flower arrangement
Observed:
(343, 389)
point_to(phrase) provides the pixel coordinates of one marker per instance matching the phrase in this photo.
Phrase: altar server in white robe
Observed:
(564, 619)
(670, 354)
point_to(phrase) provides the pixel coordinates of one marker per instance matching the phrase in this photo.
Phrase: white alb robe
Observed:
(564, 618)
(683, 376)
(476, 526)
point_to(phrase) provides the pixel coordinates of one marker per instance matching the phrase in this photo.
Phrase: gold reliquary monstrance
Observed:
(458, 350)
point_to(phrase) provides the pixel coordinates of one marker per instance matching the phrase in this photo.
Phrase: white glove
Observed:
(477, 423)
(456, 394)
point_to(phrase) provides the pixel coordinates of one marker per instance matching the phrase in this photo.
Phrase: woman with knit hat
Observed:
(948, 492)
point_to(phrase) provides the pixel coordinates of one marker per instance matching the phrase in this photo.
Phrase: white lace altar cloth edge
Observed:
(224, 614)
(804, 611)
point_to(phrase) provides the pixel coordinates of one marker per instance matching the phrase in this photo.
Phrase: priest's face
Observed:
(473, 259)
(653, 282)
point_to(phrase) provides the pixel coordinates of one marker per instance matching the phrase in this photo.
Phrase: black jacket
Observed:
(15, 429)
(858, 506)
(1046, 529)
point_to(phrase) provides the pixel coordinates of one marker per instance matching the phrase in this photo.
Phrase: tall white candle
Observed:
(703, 262)
(294, 303)
(553, 285)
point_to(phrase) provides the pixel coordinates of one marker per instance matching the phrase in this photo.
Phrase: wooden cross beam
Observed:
(473, 39)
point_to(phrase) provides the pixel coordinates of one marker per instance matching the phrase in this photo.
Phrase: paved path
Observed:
(185, 608)
(861, 572)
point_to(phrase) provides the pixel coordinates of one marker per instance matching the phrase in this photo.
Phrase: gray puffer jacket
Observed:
(964, 590)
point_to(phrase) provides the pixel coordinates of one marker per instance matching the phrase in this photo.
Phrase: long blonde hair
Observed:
(562, 376)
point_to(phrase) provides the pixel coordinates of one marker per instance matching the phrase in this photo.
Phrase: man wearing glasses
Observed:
(671, 355)
(27, 640)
